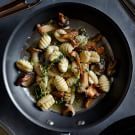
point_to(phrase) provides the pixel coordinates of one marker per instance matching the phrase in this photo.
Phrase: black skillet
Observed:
(101, 110)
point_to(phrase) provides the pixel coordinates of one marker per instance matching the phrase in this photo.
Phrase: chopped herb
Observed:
(38, 92)
(82, 31)
(60, 102)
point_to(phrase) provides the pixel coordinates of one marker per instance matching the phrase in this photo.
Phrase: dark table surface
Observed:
(8, 112)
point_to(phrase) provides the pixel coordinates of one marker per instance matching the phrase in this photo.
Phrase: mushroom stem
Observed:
(34, 55)
(69, 110)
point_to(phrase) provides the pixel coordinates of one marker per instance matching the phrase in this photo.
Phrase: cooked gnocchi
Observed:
(67, 68)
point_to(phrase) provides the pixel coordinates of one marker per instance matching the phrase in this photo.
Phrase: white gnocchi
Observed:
(94, 57)
(63, 65)
(24, 65)
(60, 84)
(46, 102)
(85, 56)
(93, 79)
(104, 83)
(71, 81)
(66, 48)
(50, 50)
(44, 41)
(55, 56)
(82, 40)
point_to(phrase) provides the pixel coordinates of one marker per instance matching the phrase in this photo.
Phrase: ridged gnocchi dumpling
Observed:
(94, 57)
(46, 102)
(104, 83)
(24, 65)
(67, 97)
(71, 81)
(50, 50)
(82, 40)
(63, 65)
(93, 79)
(60, 84)
(85, 56)
(55, 56)
(66, 48)
(44, 41)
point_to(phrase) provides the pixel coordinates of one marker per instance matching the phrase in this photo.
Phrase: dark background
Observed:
(10, 116)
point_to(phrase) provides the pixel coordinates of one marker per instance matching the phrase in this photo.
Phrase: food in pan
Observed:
(66, 68)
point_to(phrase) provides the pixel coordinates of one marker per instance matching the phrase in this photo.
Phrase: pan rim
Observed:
(85, 126)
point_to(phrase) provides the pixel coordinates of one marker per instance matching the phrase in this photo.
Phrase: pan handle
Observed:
(17, 5)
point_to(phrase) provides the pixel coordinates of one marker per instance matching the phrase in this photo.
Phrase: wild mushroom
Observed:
(63, 20)
(34, 54)
(84, 80)
(38, 69)
(77, 58)
(58, 35)
(91, 92)
(58, 94)
(98, 37)
(71, 34)
(111, 67)
(88, 102)
(45, 28)
(25, 80)
(68, 110)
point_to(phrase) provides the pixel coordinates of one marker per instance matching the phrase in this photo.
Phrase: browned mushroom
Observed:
(100, 50)
(38, 69)
(91, 92)
(63, 20)
(84, 80)
(98, 37)
(34, 54)
(88, 102)
(111, 68)
(25, 80)
(99, 68)
(68, 110)
(58, 94)
(77, 58)
(70, 36)
(45, 28)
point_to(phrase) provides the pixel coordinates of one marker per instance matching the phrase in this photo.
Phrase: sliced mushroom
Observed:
(58, 94)
(45, 28)
(84, 80)
(77, 58)
(68, 110)
(71, 34)
(24, 65)
(111, 68)
(91, 92)
(34, 54)
(88, 102)
(58, 35)
(63, 20)
(25, 80)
